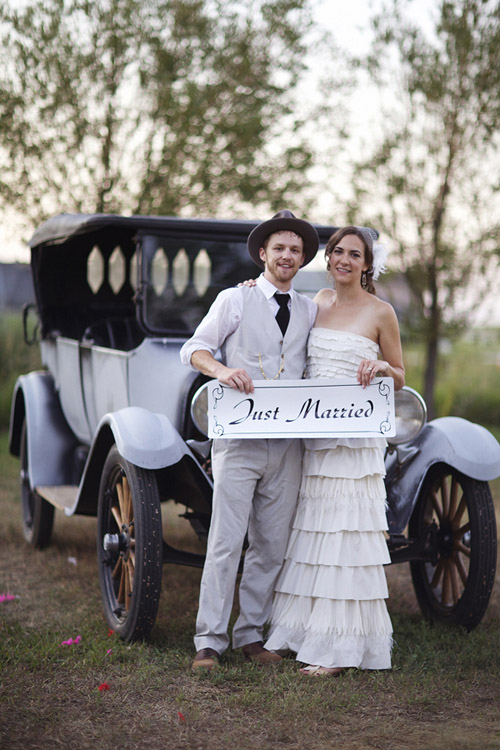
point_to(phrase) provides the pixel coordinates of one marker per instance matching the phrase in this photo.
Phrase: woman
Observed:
(329, 604)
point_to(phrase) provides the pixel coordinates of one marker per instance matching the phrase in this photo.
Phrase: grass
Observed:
(442, 692)
(15, 358)
(467, 377)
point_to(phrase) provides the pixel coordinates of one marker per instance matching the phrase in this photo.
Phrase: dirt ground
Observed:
(443, 692)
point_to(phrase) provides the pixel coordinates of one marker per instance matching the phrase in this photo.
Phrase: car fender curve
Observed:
(463, 445)
(476, 450)
(144, 438)
(50, 440)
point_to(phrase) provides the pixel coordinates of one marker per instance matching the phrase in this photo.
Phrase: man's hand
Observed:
(236, 378)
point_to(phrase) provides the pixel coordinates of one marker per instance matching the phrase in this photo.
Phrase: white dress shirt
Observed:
(224, 317)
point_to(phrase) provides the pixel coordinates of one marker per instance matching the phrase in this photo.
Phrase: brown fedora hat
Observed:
(283, 221)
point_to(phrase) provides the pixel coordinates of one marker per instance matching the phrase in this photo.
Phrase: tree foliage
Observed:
(431, 181)
(152, 106)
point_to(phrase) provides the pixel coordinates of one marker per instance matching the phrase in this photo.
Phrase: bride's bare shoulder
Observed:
(325, 297)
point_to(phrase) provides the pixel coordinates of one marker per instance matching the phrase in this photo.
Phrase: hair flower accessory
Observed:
(379, 251)
(379, 259)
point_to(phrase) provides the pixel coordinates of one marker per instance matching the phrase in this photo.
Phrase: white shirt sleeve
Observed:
(221, 321)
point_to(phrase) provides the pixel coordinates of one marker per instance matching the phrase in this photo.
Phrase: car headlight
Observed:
(411, 414)
(199, 409)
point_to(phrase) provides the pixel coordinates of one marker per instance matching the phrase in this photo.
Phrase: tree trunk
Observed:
(430, 375)
(432, 340)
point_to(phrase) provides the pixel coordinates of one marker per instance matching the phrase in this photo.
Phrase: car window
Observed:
(181, 278)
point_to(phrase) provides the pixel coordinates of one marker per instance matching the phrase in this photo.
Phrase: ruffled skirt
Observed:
(329, 605)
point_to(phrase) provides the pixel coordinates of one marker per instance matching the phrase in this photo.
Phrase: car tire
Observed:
(37, 513)
(457, 588)
(129, 546)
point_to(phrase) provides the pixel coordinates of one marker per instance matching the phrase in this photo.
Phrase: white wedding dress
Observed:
(329, 604)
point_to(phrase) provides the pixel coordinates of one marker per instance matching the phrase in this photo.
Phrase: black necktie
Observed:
(283, 314)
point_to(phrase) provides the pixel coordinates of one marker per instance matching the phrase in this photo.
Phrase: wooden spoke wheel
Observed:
(38, 514)
(457, 588)
(129, 547)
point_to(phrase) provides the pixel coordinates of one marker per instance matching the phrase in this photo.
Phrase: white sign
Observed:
(302, 408)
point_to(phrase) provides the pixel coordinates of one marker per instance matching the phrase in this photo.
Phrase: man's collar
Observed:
(268, 289)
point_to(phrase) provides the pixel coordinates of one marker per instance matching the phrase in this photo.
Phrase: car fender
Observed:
(146, 439)
(463, 445)
(51, 442)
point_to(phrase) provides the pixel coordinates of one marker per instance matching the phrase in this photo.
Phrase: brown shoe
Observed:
(207, 658)
(257, 653)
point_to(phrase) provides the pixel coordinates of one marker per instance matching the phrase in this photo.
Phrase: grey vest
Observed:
(259, 333)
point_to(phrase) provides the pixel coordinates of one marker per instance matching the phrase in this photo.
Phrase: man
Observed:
(256, 481)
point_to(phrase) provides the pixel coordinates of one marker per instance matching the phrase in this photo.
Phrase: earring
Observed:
(364, 282)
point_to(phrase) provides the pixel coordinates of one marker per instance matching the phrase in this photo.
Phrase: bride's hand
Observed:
(369, 368)
(248, 282)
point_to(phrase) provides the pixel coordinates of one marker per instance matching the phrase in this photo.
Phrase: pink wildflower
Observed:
(72, 641)
(7, 597)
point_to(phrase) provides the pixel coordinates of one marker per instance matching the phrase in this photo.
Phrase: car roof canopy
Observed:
(58, 229)
(62, 247)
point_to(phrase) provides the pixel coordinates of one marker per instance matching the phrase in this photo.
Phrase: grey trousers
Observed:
(256, 483)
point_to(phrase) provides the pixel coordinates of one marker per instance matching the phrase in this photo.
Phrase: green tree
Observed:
(153, 106)
(431, 181)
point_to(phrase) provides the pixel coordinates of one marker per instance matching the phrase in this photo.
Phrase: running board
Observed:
(181, 557)
(63, 496)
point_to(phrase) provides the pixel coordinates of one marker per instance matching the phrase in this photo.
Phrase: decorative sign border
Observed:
(302, 408)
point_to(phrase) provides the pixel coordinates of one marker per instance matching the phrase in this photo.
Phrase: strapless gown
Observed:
(329, 604)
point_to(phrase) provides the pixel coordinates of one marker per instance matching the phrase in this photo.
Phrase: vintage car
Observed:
(113, 427)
